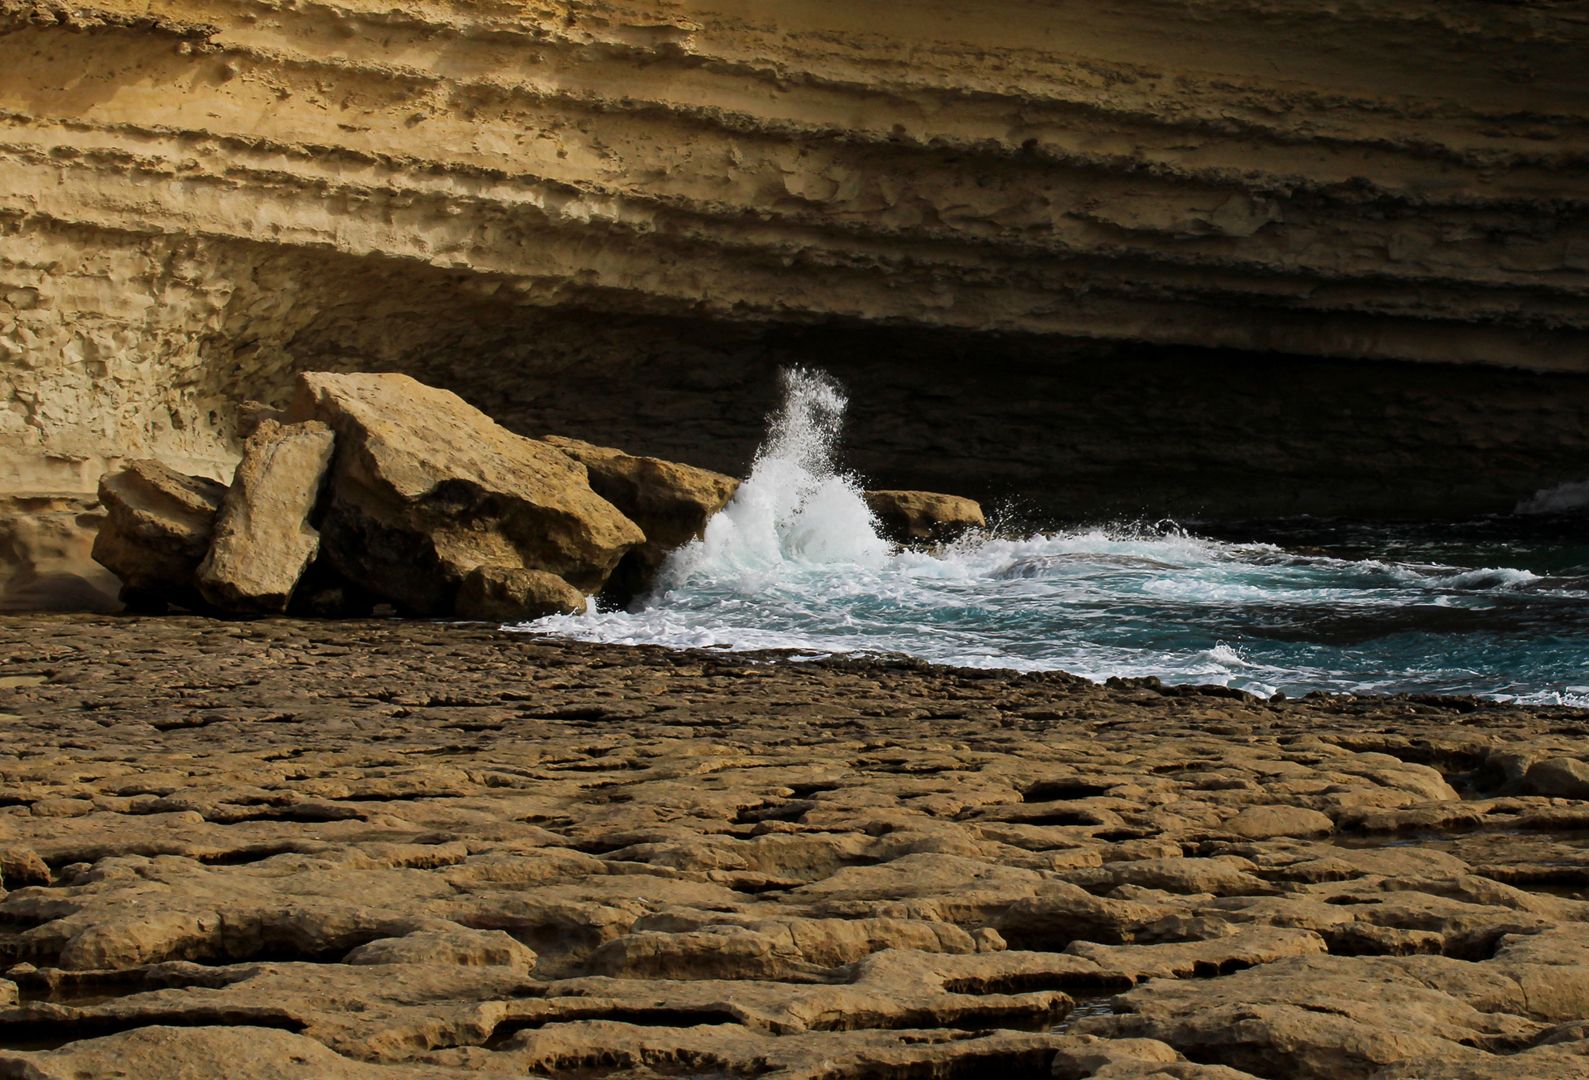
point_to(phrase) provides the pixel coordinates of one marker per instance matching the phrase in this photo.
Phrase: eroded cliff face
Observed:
(613, 219)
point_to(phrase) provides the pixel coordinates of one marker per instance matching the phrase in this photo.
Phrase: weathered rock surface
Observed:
(395, 849)
(923, 516)
(425, 488)
(1268, 822)
(506, 594)
(670, 502)
(46, 556)
(201, 1053)
(464, 947)
(263, 539)
(658, 200)
(1564, 777)
(157, 529)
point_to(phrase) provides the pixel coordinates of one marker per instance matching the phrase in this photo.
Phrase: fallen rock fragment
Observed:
(509, 594)
(157, 530)
(908, 517)
(263, 539)
(670, 502)
(424, 488)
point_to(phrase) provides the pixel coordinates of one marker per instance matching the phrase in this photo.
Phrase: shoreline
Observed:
(400, 849)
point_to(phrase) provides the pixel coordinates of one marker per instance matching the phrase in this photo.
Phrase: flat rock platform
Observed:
(395, 849)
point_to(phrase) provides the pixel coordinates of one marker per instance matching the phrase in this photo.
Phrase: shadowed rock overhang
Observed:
(200, 198)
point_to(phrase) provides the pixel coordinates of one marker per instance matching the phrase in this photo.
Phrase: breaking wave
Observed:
(795, 562)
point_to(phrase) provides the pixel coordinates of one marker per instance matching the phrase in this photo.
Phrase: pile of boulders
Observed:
(376, 489)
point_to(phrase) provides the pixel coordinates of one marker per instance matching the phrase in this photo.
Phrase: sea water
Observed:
(1494, 606)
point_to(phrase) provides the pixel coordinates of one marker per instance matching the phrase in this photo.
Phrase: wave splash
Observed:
(796, 506)
(794, 562)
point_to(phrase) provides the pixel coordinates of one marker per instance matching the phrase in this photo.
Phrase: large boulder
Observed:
(509, 594)
(263, 537)
(424, 488)
(157, 530)
(910, 517)
(670, 502)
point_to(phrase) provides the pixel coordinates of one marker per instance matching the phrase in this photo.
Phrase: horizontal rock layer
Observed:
(198, 198)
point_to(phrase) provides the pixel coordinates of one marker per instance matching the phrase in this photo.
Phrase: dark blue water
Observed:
(1497, 605)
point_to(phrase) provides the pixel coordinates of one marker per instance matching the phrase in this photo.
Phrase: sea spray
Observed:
(794, 562)
(796, 506)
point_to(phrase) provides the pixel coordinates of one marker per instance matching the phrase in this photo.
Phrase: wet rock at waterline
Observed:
(156, 532)
(911, 517)
(263, 540)
(513, 594)
(670, 502)
(425, 488)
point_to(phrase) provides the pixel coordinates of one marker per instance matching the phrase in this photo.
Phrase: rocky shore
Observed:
(388, 848)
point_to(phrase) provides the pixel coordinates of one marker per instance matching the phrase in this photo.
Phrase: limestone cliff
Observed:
(533, 202)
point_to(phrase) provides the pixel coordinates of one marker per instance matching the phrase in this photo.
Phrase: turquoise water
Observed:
(1494, 606)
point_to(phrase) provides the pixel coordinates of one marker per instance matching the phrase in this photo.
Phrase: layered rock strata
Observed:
(397, 850)
(199, 199)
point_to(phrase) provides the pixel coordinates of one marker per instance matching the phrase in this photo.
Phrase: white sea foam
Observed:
(796, 506)
(794, 562)
(1491, 577)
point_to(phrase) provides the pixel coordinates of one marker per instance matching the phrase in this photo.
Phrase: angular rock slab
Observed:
(424, 488)
(157, 529)
(923, 516)
(263, 539)
(670, 502)
(506, 594)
